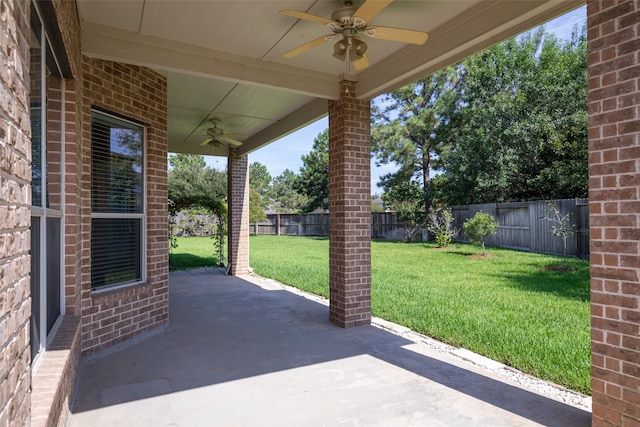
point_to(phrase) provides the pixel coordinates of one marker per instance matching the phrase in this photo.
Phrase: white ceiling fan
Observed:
(348, 24)
(216, 137)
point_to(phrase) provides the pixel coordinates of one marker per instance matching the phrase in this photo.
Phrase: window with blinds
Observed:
(117, 201)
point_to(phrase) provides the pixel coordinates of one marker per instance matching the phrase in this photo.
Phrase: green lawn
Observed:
(193, 252)
(507, 307)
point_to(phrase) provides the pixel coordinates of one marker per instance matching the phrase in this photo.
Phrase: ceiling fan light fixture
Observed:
(351, 22)
(340, 49)
(358, 49)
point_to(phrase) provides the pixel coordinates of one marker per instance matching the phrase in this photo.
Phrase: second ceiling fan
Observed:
(347, 25)
(216, 137)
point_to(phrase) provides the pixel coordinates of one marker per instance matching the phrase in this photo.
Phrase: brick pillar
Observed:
(614, 209)
(349, 209)
(15, 202)
(238, 212)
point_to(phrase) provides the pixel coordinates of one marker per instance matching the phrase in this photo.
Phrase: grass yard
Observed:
(193, 252)
(507, 307)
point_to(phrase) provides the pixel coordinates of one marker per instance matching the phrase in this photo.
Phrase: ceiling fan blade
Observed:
(206, 141)
(397, 34)
(305, 47)
(306, 16)
(235, 135)
(362, 63)
(230, 141)
(371, 8)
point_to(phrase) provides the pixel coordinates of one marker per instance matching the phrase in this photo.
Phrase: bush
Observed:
(479, 227)
(440, 224)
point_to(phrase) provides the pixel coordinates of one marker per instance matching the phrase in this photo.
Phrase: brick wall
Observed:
(238, 212)
(110, 317)
(349, 209)
(73, 198)
(15, 201)
(614, 171)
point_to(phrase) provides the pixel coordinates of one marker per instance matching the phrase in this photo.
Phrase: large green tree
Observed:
(284, 193)
(314, 174)
(259, 186)
(259, 178)
(190, 177)
(407, 130)
(519, 131)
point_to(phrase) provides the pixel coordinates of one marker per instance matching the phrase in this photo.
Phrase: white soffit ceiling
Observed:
(224, 59)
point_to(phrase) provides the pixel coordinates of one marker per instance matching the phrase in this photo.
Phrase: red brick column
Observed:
(349, 209)
(238, 213)
(15, 202)
(614, 206)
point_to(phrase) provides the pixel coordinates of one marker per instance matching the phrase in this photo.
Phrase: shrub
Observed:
(440, 224)
(479, 227)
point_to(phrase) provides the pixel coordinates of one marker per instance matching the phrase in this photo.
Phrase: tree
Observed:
(259, 185)
(259, 178)
(407, 130)
(283, 192)
(407, 201)
(561, 226)
(314, 174)
(256, 207)
(189, 177)
(187, 161)
(479, 228)
(519, 130)
(440, 224)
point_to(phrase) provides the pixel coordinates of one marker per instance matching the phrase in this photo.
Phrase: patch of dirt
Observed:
(558, 268)
(475, 256)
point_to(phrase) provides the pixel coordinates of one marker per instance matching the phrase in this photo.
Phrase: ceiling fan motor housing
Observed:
(344, 15)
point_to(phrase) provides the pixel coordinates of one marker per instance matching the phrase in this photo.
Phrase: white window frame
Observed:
(141, 216)
(42, 213)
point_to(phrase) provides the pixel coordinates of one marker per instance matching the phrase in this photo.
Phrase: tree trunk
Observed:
(426, 181)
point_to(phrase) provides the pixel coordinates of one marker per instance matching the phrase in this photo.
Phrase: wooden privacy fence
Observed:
(384, 225)
(521, 226)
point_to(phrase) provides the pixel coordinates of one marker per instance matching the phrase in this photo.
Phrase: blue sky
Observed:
(285, 153)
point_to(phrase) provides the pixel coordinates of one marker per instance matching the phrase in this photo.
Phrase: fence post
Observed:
(374, 222)
(277, 224)
(576, 215)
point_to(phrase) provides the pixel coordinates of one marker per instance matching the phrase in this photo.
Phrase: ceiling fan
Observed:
(348, 24)
(216, 137)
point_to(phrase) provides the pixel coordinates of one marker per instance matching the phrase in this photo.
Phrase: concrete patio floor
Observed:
(237, 353)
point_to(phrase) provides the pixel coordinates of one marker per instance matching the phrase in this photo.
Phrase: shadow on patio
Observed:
(236, 353)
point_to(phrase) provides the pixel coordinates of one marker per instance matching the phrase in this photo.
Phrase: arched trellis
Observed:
(217, 207)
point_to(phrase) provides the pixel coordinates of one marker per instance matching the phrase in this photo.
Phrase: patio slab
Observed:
(236, 353)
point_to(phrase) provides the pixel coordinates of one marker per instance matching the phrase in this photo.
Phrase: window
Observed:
(46, 100)
(117, 201)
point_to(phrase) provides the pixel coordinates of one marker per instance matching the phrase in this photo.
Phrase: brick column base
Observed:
(349, 209)
(238, 213)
